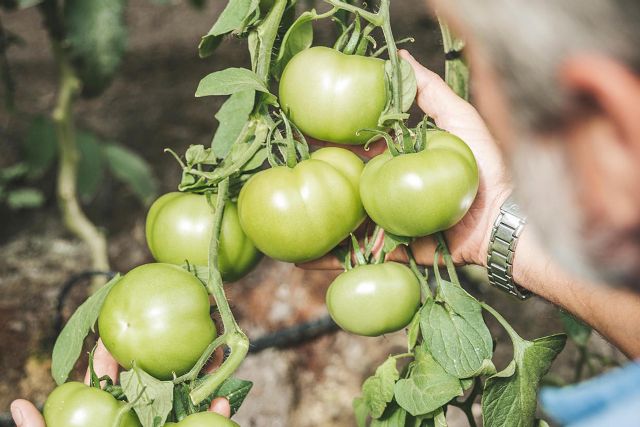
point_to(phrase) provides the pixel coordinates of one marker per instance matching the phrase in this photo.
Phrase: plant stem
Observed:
(456, 71)
(373, 18)
(424, 285)
(72, 215)
(233, 337)
(267, 32)
(507, 327)
(396, 81)
(451, 268)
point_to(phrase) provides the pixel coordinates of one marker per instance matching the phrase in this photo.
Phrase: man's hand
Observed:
(25, 414)
(467, 240)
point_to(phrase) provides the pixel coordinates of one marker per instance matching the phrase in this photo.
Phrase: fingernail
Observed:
(16, 413)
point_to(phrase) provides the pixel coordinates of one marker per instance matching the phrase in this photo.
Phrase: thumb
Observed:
(435, 98)
(25, 414)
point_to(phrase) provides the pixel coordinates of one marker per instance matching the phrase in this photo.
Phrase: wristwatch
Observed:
(502, 246)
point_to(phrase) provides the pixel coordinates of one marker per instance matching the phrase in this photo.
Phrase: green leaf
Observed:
(361, 411)
(230, 20)
(413, 331)
(510, 396)
(542, 423)
(391, 242)
(455, 332)
(409, 84)
(40, 146)
(153, 398)
(198, 155)
(377, 390)
(428, 387)
(96, 36)
(440, 419)
(25, 198)
(132, 170)
(394, 417)
(578, 331)
(297, 38)
(91, 165)
(230, 81)
(235, 390)
(69, 343)
(231, 118)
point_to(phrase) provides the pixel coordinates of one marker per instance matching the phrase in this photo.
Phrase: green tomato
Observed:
(374, 299)
(157, 316)
(179, 227)
(299, 214)
(331, 96)
(74, 404)
(422, 193)
(205, 419)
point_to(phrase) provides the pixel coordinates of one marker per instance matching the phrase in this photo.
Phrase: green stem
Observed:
(451, 268)
(371, 243)
(583, 355)
(515, 338)
(267, 32)
(456, 71)
(373, 18)
(73, 216)
(424, 285)
(396, 81)
(233, 337)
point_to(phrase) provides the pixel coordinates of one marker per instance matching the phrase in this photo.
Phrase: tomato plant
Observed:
(204, 419)
(74, 404)
(157, 316)
(299, 214)
(331, 96)
(374, 299)
(421, 193)
(179, 228)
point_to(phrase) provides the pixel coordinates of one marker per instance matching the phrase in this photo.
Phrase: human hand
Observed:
(467, 240)
(25, 414)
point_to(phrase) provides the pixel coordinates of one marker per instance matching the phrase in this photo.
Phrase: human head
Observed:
(558, 81)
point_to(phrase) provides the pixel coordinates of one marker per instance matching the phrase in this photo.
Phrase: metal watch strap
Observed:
(502, 246)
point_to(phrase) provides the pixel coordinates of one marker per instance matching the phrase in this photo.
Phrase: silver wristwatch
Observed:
(502, 246)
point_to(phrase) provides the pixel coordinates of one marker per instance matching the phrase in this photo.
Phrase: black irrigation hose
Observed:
(283, 338)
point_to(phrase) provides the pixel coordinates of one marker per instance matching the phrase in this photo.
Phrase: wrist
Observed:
(491, 213)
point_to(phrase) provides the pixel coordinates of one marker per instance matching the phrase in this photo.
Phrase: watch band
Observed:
(502, 246)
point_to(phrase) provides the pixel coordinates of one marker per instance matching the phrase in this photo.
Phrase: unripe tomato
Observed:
(205, 419)
(74, 404)
(374, 299)
(331, 96)
(157, 316)
(422, 193)
(299, 214)
(179, 227)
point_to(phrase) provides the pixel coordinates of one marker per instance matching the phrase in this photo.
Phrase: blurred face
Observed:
(580, 183)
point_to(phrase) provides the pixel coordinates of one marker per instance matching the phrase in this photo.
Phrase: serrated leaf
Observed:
(96, 36)
(153, 398)
(132, 170)
(232, 117)
(577, 331)
(297, 38)
(428, 386)
(230, 81)
(231, 19)
(455, 332)
(40, 146)
(69, 343)
(510, 396)
(24, 198)
(235, 390)
(394, 417)
(90, 165)
(377, 390)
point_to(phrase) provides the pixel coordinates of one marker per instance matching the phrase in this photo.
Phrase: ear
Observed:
(612, 87)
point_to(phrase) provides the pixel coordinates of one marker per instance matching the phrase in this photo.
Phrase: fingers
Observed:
(221, 406)
(103, 364)
(434, 96)
(25, 414)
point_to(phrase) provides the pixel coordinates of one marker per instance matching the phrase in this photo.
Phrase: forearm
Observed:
(613, 312)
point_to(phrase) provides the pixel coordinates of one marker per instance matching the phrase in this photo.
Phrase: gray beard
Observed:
(545, 189)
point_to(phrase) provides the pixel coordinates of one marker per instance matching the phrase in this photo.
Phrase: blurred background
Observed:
(150, 106)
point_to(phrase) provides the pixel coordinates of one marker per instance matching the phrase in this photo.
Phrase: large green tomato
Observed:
(421, 193)
(179, 227)
(205, 419)
(299, 214)
(157, 316)
(375, 299)
(330, 96)
(74, 404)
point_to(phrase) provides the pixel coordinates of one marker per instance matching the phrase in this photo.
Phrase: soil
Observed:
(151, 106)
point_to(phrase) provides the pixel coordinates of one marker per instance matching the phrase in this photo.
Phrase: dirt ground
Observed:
(151, 106)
